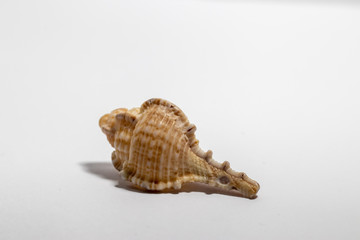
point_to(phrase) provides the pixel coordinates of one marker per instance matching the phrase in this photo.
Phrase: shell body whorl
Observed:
(156, 148)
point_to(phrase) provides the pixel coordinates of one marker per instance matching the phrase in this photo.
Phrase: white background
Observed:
(272, 86)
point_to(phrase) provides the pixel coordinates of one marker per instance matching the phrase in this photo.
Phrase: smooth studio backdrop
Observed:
(272, 86)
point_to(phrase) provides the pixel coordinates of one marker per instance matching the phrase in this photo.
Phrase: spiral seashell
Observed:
(156, 149)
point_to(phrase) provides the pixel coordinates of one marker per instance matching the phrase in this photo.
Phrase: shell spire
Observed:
(156, 148)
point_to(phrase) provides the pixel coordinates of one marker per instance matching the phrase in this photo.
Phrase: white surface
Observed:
(273, 87)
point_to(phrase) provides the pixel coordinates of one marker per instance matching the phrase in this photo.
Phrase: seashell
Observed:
(156, 149)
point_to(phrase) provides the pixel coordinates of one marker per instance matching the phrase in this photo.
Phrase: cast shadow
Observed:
(107, 171)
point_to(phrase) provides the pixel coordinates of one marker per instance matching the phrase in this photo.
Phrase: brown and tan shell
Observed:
(156, 148)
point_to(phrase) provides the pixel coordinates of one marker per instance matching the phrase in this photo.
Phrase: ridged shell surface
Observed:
(156, 148)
